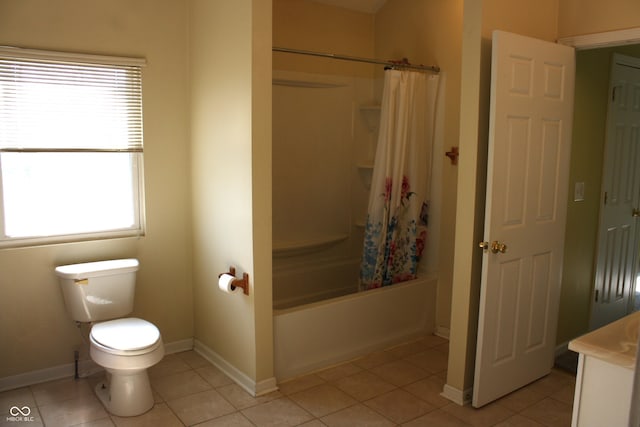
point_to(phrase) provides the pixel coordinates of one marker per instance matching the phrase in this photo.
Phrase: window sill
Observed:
(16, 243)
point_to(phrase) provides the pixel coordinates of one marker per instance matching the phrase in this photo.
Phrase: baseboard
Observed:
(561, 349)
(464, 397)
(85, 369)
(442, 332)
(248, 384)
(178, 346)
(459, 397)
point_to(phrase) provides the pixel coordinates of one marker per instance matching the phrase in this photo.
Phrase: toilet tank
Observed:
(96, 291)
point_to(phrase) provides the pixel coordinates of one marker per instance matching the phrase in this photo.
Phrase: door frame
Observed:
(469, 227)
(529, 151)
(594, 323)
(597, 41)
(470, 215)
(606, 39)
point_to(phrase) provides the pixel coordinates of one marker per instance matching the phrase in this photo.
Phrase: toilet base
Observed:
(126, 393)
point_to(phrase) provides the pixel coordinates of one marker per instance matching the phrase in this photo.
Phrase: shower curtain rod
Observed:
(432, 68)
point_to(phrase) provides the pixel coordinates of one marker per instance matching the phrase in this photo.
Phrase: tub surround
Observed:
(605, 373)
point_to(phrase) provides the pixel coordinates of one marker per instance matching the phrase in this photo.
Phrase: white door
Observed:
(527, 185)
(618, 231)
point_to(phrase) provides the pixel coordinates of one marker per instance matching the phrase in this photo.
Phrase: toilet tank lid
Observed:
(99, 268)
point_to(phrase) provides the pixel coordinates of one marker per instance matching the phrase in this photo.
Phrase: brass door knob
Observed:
(498, 247)
(495, 246)
(635, 213)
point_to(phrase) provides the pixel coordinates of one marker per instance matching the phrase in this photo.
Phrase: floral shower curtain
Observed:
(396, 226)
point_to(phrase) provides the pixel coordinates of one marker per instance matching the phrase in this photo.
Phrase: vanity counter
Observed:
(615, 343)
(604, 380)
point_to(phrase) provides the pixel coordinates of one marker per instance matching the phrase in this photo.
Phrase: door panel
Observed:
(527, 186)
(540, 293)
(517, 146)
(549, 170)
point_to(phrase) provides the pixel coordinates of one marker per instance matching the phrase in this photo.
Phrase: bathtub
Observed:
(321, 334)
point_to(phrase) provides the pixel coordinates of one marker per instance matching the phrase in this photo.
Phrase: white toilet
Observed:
(125, 347)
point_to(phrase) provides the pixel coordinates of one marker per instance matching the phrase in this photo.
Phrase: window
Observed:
(70, 147)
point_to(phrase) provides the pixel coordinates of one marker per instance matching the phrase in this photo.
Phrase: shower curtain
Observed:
(397, 216)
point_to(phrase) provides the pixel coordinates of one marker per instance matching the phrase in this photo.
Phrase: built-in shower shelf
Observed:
(365, 170)
(284, 248)
(371, 114)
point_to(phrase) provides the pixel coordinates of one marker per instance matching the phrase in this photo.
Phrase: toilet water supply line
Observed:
(76, 352)
(76, 356)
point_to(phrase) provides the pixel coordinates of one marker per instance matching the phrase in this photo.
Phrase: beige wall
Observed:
(466, 280)
(261, 191)
(537, 19)
(430, 33)
(35, 331)
(230, 63)
(32, 315)
(577, 17)
(318, 27)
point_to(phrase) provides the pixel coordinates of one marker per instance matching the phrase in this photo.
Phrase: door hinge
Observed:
(605, 197)
(613, 94)
(597, 294)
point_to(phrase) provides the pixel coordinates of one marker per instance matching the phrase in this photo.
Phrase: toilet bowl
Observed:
(126, 348)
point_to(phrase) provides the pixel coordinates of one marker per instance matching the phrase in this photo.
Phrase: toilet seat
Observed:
(127, 337)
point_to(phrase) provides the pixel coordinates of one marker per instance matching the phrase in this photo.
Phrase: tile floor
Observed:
(396, 387)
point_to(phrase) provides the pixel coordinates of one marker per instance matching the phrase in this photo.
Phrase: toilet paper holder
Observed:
(239, 283)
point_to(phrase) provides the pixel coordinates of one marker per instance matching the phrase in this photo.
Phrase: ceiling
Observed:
(368, 6)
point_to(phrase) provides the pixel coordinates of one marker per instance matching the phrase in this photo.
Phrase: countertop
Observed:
(615, 343)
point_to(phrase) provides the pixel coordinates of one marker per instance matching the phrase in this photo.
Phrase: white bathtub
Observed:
(318, 335)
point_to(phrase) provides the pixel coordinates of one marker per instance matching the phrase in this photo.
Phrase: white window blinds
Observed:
(71, 103)
(70, 136)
